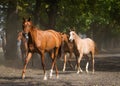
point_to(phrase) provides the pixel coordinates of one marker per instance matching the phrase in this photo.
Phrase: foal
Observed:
(68, 47)
(84, 47)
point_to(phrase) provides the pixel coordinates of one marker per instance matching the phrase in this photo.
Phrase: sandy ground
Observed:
(107, 73)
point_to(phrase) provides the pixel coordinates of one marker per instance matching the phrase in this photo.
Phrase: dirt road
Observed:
(107, 73)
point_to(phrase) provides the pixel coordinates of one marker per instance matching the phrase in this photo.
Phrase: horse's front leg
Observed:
(76, 58)
(25, 64)
(79, 60)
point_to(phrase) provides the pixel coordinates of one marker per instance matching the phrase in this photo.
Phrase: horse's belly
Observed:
(86, 49)
(50, 46)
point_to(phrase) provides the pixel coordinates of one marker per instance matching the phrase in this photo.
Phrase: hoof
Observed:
(23, 76)
(63, 70)
(87, 71)
(93, 72)
(78, 72)
(45, 78)
(57, 77)
(81, 70)
(50, 77)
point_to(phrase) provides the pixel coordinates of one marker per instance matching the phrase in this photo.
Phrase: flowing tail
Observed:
(96, 49)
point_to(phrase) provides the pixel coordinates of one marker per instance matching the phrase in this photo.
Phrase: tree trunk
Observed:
(11, 31)
(52, 14)
(37, 12)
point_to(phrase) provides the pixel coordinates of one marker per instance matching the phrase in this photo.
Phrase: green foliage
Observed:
(25, 7)
(81, 14)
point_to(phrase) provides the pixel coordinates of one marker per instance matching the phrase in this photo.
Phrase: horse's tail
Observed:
(60, 52)
(96, 49)
(60, 47)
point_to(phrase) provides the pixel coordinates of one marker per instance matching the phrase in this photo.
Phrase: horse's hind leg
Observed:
(65, 59)
(56, 54)
(56, 69)
(69, 60)
(54, 63)
(25, 64)
(93, 62)
(87, 64)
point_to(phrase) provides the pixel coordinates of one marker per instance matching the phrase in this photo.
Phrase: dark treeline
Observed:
(98, 19)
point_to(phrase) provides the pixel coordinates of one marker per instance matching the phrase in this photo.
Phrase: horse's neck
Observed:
(32, 35)
(34, 29)
(78, 39)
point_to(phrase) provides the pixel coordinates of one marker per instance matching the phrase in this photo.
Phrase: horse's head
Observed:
(27, 25)
(64, 37)
(72, 35)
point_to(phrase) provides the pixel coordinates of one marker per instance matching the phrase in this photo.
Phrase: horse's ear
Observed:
(73, 28)
(29, 19)
(70, 29)
(67, 36)
(23, 19)
(63, 33)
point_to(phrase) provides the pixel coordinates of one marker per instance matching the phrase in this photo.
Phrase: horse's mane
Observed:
(76, 34)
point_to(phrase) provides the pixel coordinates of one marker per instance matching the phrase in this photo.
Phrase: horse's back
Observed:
(88, 45)
(57, 37)
(88, 41)
(47, 39)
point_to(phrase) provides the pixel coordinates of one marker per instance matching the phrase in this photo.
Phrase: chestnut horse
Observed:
(84, 47)
(41, 41)
(68, 47)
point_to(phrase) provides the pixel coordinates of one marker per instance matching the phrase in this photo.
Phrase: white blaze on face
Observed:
(71, 36)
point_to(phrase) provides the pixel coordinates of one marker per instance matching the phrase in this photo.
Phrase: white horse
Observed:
(84, 47)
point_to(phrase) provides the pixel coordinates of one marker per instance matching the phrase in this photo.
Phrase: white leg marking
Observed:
(81, 70)
(45, 77)
(78, 72)
(51, 71)
(93, 72)
(23, 77)
(64, 67)
(57, 77)
(87, 64)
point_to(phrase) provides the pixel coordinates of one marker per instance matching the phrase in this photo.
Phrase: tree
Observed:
(11, 29)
